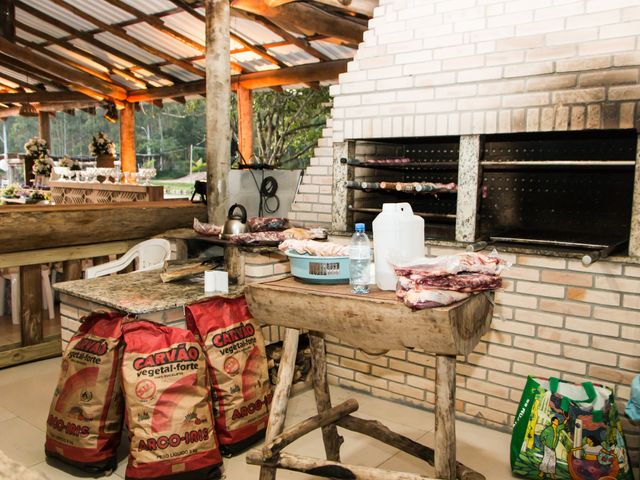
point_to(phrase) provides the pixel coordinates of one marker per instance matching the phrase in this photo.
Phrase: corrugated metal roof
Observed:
(180, 21)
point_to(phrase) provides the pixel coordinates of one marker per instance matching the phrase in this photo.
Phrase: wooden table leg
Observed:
(31, 304)
(445, 441)
(71, 270)
(281, 395)
(234, 264)
(332, 440)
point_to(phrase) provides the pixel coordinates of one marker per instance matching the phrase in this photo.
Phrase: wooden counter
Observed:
(36, 227)
(74, 193)
(376, 322)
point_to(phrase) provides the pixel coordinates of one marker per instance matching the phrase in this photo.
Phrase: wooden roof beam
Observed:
(73, 77)
(89, 38)
(122, 33)
(157, 23)
(301, 43)
(44, 97)
(51, 40)
(266, 79)
(32, 72)
(8, 19)
(258, 50)
(125, 23)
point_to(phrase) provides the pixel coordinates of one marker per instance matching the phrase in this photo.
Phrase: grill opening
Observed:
(407, 170)
(562, 188)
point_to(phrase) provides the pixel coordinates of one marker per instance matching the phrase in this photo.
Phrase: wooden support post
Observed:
(245, 123)
(71, 270)
(44, 127)
(330, 437)
(445, 441)
(469, 176)
(634, 240)
(218, 89)
(8, 19)
(375, 429)
(342, 217)
(281, 394)
(290, 435)
(128, 138)
(31, 304)
(234, 264)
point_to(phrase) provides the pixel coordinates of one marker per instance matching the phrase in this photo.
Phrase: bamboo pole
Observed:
(128, 138)
(218, 89)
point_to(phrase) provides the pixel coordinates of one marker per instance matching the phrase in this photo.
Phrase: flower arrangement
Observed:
(37, 151)
(101, 145)
(69, 163)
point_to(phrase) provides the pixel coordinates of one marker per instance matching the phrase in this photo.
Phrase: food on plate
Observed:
(318, 249)
(208, 229)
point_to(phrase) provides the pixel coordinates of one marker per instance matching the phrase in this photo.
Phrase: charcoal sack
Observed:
(85, 418)
(235, 350)
(168, 405)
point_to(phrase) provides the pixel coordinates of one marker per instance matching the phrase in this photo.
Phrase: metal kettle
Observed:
(235, 223)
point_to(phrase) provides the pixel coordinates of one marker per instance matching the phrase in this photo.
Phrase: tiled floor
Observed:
(25, 393)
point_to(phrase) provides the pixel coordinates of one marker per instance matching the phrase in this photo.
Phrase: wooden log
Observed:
(445, 412)
(8, 16)
(327, 468)
(128, 138)
(25, 228)
(71, 270)
(377, 430)
(73, 76)
(234, 264)
(30, 353)
(374, 322)
(281, 394)
(217, 113)
(330, 437)
(292, 434)
(245, 124)
(252, 81)
(31, 304)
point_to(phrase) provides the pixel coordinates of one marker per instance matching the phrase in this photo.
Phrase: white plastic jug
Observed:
(398, 237)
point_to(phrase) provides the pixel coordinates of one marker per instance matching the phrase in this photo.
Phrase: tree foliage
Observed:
(287, 125)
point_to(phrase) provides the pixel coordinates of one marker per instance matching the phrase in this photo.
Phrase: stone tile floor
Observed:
(25, 393)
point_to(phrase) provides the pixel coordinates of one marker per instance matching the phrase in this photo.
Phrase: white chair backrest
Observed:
(149, 255)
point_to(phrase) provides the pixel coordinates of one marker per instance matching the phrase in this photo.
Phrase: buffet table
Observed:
(375, 323)
(71, 192)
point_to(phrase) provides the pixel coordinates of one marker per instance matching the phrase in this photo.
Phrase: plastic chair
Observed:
(149, 255)
(12, 277)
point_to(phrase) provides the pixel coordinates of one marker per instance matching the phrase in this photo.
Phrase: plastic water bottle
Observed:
(359, 261)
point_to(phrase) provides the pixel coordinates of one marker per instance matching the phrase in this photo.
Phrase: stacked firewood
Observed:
(303, 360)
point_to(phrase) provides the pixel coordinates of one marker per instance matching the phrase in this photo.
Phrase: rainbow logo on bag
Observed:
(568, 432)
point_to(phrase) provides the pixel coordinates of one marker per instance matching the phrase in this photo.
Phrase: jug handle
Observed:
(405, 207)
(243, 211)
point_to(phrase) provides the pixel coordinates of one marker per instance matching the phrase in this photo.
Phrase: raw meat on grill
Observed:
(419, 299)
(390, 161)
(208, 229)
(319, 249)
(266, 224)
(419, 187)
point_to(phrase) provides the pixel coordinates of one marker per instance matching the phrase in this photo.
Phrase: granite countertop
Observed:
(138, 292)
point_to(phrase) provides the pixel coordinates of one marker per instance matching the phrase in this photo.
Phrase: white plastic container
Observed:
(398, 237)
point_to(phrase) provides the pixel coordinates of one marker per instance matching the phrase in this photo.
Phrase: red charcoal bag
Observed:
(85, 418)
(168, 405)
(237, 359)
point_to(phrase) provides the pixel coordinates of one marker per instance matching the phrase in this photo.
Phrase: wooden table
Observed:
(374, 323)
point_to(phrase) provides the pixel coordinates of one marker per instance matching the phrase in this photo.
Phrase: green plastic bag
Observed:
(568, 432)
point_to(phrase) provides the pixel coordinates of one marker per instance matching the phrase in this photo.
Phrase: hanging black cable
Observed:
(268, 190)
